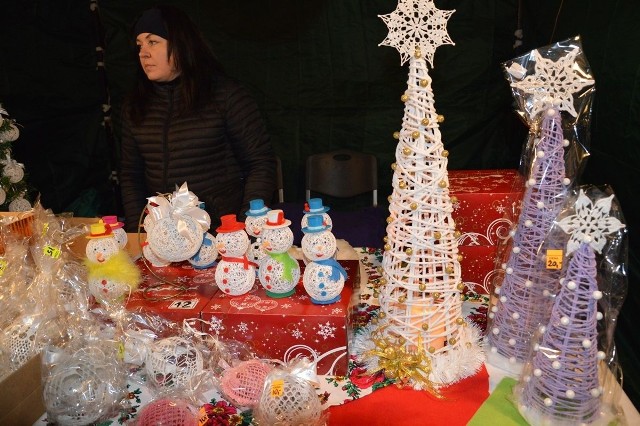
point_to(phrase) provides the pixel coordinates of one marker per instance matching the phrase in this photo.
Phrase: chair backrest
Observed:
(342, 173)
(280, 180)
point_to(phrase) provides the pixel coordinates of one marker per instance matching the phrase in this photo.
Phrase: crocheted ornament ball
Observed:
(175, 238)
(242, 384)
(291, 401)
(167, 412)
(172, 362)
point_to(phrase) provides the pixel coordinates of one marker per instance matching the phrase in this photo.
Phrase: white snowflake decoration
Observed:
(553, 84)
(326, 330)
(590, 224)
(417, 24)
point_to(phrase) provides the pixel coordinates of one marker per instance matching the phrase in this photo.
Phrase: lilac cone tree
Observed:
(523, 300)
(561, 385)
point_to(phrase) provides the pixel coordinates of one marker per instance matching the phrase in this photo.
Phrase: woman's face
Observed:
(152, 51)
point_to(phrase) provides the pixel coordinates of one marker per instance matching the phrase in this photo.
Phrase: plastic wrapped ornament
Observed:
(112, 273)
(175, 238)
(83, 388)
(13, 170)
(10, 134)
(235, 273)
(288, 400)
(242, 385)
(172, 363)
(27, 335)
(256, 218)
(118, 230)
(315, 207)
(167, 412)
(19, 204)
(207, 255)
(278, 272)
(323, 277)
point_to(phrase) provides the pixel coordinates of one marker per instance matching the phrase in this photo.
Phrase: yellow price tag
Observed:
(51, 251)
(3, 266)
(277, 388)
(554, 259)
(45, 228)
(121, 351)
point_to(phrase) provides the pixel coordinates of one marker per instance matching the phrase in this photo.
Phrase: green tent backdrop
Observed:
(322, 82)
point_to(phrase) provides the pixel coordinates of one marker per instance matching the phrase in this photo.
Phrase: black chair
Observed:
(346, 176)
(280, 180)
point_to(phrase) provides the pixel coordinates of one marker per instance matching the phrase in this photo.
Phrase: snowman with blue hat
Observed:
(323, 277)
(256, 217)
(314, 206)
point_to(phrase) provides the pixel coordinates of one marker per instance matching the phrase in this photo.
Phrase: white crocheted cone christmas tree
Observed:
(561, 386)
(523, 298)
(422, 338)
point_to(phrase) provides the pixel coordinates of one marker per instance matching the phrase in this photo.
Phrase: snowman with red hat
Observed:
(279, 272)
(323, 277)
(235, 273)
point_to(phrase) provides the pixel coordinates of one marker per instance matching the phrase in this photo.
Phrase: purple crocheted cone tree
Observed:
(561, 385)
(423, 340)
(523, 300)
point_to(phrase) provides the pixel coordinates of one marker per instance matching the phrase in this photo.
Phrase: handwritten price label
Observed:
(183, 304)
(554, 259)
(51, 251)
(121, 350)
(277, 388)
(3, 266)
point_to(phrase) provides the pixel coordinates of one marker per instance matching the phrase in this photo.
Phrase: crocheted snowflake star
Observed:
(553, 83)
(590, 224)
(416, 23)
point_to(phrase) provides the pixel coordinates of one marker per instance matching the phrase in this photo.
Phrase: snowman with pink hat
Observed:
(323, 277)
(278, 272)
(118, 230)
(256, 218)
(235, 273)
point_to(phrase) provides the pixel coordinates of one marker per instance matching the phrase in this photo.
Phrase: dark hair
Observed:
(193, 58)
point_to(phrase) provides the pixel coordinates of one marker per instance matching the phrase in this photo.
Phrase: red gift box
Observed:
(283, 328)
(487, 203)
(175, 292)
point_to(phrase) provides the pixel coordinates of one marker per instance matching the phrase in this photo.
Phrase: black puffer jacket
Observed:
(223, 153)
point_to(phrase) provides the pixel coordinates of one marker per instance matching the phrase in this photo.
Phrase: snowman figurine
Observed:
(111, 272)
(235, 273)
(315, 207)
(256, 218)
(118, 230)
(207, 255)
(323, 277)
(278, 271)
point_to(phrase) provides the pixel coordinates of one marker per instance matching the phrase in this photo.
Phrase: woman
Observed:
(186, 121)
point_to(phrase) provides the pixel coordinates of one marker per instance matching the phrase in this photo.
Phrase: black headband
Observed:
(151, 22)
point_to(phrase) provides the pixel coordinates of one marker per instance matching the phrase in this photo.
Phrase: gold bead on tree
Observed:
(387, 247)
(459, 321)
(413, 206)
(425, 121)
(396, 135)
(442, 184)
(425, 326)
(404, 97)
(449, 269)
(393, 166)
(402, 184)
(389, 219)
(437, 235)
(406, 150)
(452, 341)
(415, 134)
(409, 251)
(445, 153)
(440, 118)
(460, 286)
(424, 82)
(422, 287)
(402, 299)
(460, 257)
(417, 53)
(457, 233)
(454, 199)
(431, 349)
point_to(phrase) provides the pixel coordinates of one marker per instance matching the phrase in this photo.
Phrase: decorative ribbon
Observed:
(244, 260)
(181, 203)
(288, 263)
(336, 268)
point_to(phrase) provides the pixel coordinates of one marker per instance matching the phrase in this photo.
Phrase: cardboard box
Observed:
(175, 292)
(486, 207)
(283, 328)
(21, 401)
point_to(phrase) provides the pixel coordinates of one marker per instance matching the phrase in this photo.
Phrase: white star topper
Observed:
(553, 83)
(416, 23)
(590, 224)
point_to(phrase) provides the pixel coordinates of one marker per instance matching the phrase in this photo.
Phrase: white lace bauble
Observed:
(175, 238)
(153, 258)
(233, 278)
(172, 362)
(14, 172)
(11, 134)
(20, 204)
(298, 404)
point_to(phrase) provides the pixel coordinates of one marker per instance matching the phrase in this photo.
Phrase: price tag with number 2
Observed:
(554, 259)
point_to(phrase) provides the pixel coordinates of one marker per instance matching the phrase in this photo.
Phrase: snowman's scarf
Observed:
(288, 264)
(336, 268)
(244, 260)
